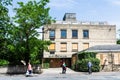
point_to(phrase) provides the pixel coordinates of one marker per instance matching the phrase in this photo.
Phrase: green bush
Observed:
(73, 66)
(46, 65)
(3, 62)
(86, 55)
(82, 64)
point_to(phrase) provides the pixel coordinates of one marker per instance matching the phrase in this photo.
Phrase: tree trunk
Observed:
(27, 54)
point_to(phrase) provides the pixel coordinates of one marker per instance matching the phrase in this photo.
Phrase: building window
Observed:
(52, 47)
(63, 34)
(52, 52)
(74, 47)
(85, 33)
(74, 33)
(52, 34)
(85, 45)
(63, 47)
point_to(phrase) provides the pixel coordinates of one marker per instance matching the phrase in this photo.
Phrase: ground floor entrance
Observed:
(57, 62)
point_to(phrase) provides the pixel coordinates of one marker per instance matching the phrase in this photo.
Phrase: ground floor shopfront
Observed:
(57, 62)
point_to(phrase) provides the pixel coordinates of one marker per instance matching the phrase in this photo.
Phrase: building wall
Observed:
(109, 61)
(98, 35)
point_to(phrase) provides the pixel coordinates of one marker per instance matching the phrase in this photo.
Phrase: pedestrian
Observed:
(29, 69)
(63, 68)
(89, 67)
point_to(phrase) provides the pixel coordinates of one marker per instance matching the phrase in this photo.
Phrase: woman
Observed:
(29, 68)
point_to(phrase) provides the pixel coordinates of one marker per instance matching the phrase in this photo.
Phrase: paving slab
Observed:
(55, 74)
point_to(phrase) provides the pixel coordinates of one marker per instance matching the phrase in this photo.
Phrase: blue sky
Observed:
(86, 10)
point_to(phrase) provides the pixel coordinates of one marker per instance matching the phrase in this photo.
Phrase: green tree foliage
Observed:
(29, 17)
(5, 28)
(37, 50)
(118, 41)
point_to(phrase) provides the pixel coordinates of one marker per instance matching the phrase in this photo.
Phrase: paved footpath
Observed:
(55, 74)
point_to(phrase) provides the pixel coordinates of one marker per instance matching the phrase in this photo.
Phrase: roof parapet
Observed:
(81, 22)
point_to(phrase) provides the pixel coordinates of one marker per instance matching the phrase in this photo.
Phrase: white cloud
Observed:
(114, 2)
(63, 4)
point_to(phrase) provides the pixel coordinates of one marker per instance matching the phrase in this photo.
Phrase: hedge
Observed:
(82, 64)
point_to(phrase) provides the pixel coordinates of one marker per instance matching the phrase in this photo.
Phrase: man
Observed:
(63, 67)
(89, 67)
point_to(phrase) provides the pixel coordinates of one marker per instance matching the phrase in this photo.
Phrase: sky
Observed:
(86, 10)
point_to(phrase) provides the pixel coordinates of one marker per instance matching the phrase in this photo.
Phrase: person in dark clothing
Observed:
(63, 67)
(89, 67)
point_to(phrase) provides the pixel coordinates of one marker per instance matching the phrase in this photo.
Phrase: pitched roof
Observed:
(104, 48)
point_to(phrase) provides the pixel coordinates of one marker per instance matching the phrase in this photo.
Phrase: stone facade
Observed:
(109, 61)
(100, 33)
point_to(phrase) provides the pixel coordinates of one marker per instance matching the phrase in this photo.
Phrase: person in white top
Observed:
(29, 68)
(89, 67)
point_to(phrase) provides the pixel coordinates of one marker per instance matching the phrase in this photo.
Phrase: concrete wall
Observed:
(18, 69)
(13, 69)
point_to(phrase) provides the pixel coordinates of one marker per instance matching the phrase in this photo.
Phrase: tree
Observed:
(5, 27)
(118, 41)
(29, 17)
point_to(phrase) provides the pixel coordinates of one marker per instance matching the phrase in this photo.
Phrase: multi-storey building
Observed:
(70, 36)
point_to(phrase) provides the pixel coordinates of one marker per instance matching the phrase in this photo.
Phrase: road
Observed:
(55, 74)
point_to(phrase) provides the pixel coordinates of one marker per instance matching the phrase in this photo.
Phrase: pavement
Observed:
(56, 74)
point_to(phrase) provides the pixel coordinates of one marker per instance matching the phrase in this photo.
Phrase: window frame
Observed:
(75, 50)
(84, 44)
(63, 35)
(61, 50)
(52, 50)
(74, 34)
(53, 34)
(85, 34)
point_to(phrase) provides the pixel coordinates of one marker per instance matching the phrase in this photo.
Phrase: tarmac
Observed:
(56, 74)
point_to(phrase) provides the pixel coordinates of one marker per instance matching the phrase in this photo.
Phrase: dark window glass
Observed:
(85, 34)
(63, 34)
(52, 52)
(74, 33)
(52, 34)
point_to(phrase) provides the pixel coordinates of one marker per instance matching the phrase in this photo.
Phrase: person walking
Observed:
(63, 68)
(29, 69)
(89, 67)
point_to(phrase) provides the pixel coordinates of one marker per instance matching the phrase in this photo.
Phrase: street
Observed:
(55, 74)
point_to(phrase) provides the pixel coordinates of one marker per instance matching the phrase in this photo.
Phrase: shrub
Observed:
(73, 66)
(3, 62)
(82, 64)
(46, 63)
(86, 55)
